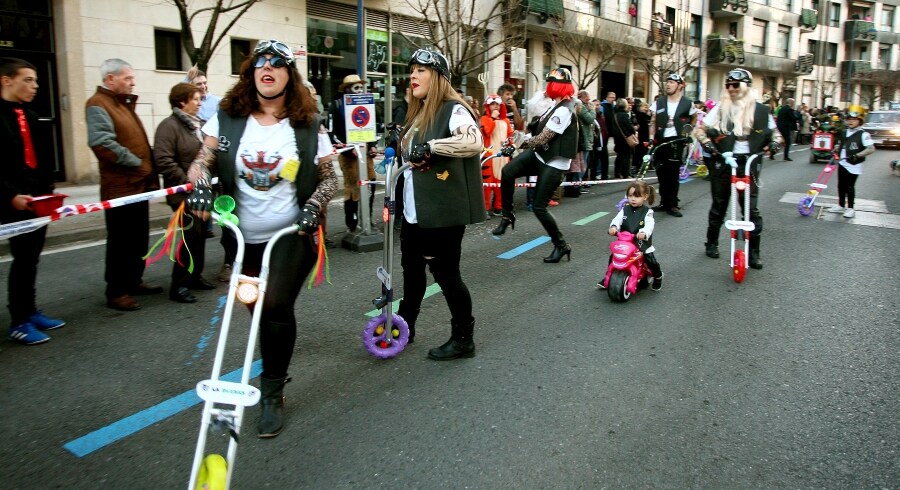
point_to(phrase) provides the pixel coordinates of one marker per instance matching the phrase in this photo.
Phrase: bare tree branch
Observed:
(200, 55)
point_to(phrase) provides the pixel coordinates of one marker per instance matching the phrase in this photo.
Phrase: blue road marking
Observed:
(429, 291)
(524, 248)
(132, 424)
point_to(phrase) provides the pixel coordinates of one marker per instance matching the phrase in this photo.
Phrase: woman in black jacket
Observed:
(620, 129)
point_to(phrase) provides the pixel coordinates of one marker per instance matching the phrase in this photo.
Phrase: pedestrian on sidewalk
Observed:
(119, 141)
(176, 144)
(27, 167)
(264, 144)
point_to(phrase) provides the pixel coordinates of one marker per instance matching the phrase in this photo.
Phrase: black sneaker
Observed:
(656, 285)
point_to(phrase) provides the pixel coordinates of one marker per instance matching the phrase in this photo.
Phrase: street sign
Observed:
(359, 117)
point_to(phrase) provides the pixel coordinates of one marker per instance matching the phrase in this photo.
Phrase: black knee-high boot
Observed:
(460, 344)
(754, 252)
(410, 315)
(271, 419)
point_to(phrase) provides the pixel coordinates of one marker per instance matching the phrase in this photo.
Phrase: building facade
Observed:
(820, 52)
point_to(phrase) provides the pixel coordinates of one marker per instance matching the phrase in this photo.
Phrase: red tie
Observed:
(30, 159)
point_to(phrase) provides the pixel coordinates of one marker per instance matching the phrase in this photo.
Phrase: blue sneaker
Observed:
(41, 321)
(27, 334)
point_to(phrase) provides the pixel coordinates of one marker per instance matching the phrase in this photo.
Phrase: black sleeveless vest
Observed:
(682, 116)
(231, 129)
(853, 144)
(760, 135)
(564, 145)
(634, 221)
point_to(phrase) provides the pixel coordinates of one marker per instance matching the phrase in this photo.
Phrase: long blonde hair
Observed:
(739, 112)
(424, 112)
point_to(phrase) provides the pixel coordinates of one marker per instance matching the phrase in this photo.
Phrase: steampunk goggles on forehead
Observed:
(431, 59)
(739, 75)
(675, 78)
(276, 48)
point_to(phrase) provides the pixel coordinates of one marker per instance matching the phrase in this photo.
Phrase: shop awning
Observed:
(545, 8)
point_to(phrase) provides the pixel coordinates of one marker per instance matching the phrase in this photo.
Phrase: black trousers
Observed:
(293, 256)
(846, 187)
(195, 241)
(668, 165)
(26, 252)
(623, 159)
(786, 134)
(602, 162)
(720, 188)
(127, 234)
(548, 179)
(440, 250)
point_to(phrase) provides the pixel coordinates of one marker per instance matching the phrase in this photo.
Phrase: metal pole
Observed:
(361, 153)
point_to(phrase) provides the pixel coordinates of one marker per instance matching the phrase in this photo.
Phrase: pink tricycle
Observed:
(626, 271)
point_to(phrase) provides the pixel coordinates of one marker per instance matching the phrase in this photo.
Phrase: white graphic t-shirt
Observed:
(266, 165)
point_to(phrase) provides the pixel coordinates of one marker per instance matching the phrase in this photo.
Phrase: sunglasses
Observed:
(277, 48)
(275, 61)
(733, 85)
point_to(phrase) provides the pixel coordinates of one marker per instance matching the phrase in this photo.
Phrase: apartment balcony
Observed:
(724, 51)
(804, 64)
(809, 19)
(856, 69)
(578, 18)
(728, 8)
(859, 30)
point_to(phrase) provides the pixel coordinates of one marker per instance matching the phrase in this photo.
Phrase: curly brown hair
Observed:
(241, 100)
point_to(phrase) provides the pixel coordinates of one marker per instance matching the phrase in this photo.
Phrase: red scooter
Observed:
(626, 271)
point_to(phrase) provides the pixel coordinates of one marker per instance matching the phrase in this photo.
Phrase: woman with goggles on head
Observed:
(548, 155)
(442, 193)
(265, 146)
(742, 126)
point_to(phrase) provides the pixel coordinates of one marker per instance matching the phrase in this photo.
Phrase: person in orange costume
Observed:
(496, 130)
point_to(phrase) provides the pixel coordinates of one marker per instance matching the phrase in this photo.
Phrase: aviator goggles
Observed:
(276, 48)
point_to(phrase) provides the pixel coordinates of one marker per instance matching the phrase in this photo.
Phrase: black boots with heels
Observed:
(559, 251)
(508, 220)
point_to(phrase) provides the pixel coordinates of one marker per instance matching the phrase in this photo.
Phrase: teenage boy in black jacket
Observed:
(25, 172)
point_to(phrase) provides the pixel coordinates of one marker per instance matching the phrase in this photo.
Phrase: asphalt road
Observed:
(788, 380)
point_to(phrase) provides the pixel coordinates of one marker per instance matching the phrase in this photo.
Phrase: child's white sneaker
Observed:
(849, 213)
(836, 209)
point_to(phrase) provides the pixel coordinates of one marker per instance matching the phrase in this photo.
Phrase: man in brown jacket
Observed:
(117, 138)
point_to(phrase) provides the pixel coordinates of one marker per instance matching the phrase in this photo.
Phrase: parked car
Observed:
(884, 126)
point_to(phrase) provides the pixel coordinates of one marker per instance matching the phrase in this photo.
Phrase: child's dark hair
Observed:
(642, 189)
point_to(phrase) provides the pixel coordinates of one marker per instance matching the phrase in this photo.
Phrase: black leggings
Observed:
(440, 249)
(548, 180)
(292, 258)
(846, 187)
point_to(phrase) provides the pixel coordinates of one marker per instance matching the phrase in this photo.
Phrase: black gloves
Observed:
(420, 153)
(711, 149)
(309, 218)
(507, 150)
(854, 159)
(775, 148)
(201, 198)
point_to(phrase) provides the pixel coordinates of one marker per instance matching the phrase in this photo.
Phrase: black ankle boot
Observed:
(271, 419)
(754, 259)
(712, 250)
(460, 345)
(559, 251)
(508, 220)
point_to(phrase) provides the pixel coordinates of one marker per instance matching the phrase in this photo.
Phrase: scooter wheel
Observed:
(618, 286)
(213, 473)
(684, 173)
(805, 206)
(740, 266)
(383, 344)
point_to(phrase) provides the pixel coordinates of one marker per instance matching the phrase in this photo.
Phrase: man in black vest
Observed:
(744, 127)
(669, 120)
